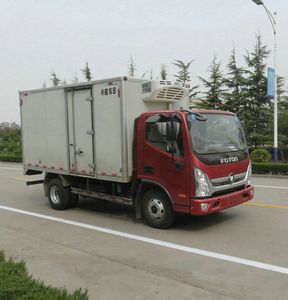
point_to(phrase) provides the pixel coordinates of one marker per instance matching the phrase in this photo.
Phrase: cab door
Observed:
(164, 161)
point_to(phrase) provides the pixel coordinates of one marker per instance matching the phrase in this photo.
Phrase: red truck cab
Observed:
(197, 160)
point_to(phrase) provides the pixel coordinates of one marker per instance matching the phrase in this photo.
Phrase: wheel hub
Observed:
(156, 209)
(54, 194)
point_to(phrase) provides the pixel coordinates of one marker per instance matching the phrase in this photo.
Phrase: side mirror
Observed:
(171, 131)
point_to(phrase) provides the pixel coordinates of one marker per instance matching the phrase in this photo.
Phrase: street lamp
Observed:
(272, 20)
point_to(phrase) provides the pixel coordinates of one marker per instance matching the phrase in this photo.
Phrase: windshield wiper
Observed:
(243, 150)
(198, 116)
(236, 148)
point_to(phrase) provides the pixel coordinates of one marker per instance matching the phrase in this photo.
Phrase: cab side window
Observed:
(156, 134)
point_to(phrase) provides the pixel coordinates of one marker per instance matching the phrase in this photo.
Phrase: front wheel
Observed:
(157, 209)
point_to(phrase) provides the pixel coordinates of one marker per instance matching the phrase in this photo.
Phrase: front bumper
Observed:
(214, 204)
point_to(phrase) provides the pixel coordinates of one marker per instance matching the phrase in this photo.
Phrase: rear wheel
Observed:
(59, 197)
(157, 209)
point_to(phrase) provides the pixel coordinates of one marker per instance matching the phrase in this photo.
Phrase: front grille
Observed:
(235, 189)
(218, 182)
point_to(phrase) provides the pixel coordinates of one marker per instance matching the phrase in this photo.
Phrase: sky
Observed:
(38, 37)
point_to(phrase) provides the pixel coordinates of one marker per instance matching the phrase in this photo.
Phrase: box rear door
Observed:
(81, 135)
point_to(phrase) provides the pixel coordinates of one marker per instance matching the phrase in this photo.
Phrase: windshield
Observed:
(219, 133)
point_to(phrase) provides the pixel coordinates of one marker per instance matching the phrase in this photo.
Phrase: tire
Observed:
(59, 197)
(157, 209)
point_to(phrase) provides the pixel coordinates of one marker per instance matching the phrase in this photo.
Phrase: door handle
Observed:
(179, 165)
(79, 151)
(149, 169)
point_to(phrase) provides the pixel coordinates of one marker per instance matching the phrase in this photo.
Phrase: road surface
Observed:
(240, 253)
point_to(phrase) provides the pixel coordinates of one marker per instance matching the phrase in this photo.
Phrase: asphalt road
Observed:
(240, 253)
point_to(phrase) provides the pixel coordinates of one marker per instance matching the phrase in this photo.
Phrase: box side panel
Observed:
(44, 130)
(108, 131)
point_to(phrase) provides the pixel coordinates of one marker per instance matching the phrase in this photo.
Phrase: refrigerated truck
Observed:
(134, 142)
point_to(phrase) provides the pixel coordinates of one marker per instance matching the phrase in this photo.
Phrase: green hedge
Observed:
(270, 168)
(260, 156)
(11, 158)
(15, 283)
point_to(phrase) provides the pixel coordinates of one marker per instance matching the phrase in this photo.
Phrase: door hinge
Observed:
(90, 132)
(90, 99)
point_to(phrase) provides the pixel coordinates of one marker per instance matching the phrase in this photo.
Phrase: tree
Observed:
(258, 113)
(163, 72)
(151, 74)
(75, 78)
(87, 72)
(282, 116)
(147, 72)
(55, 80)
(213, 96)
(183, 77)
(144, 75)
(282, 94)
(132, 68)
(234, 97)
(193, 92)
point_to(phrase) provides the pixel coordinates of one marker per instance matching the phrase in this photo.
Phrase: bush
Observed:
(10, 158)
(260, 156)
(270, 168)
(10, 139)
(15, 283)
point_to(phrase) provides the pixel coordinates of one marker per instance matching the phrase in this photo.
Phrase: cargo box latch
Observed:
(90, 132)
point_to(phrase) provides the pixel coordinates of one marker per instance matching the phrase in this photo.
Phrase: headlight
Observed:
(202, 187)
(249, 174)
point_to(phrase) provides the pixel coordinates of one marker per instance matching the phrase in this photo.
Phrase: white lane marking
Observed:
(210, 254)
(9, 168)
(271, 186)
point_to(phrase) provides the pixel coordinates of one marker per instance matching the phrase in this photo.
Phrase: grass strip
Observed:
(17, 284)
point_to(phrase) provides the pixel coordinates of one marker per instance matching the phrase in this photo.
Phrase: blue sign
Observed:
(271, 83)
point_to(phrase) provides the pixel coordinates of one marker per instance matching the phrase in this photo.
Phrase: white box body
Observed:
(87, 129)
